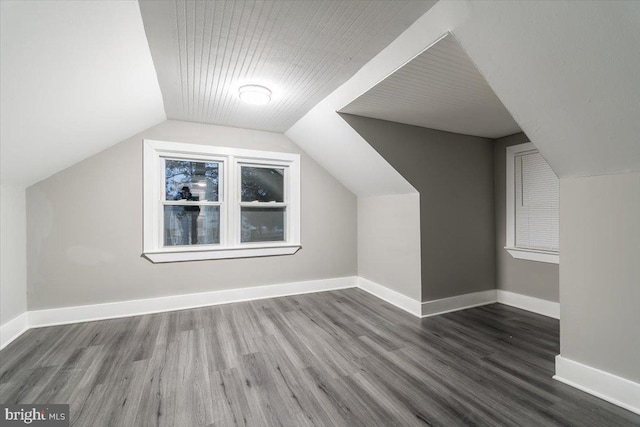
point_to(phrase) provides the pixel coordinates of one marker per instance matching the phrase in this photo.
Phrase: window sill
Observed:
(532, 255)
(226, 253)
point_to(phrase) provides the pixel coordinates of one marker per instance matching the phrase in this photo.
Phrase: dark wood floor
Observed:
(331, 359)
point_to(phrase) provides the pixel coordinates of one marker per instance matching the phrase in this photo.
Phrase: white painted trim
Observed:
(525, 302)
(200, 255)
(190, 150)
(231, 160)
(428, 308)
(392, 297)
(460, 302)
(531, 255)
(86, 313)
(13, 329)
(612, 388)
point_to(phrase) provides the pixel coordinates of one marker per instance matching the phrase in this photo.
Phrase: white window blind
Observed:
(536, 203)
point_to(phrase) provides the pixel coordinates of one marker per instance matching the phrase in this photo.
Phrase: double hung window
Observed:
(203, 202)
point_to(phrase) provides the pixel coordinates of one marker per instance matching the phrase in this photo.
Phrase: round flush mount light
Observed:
(255, 94)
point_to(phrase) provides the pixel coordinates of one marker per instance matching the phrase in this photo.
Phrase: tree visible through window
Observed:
(220, 202)
(263, 219)
(195, 221)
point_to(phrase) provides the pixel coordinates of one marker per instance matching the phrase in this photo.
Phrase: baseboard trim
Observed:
(616, 390)
(606, 386)
(13, 329)
(459, 302)
(87, 313)
(535, 305)
(428, 308)
(392, 297)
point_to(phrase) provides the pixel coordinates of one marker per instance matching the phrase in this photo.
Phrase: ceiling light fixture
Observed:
(255, 94)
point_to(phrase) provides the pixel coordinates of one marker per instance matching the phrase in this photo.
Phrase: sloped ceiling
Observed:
(438, 89)
(567, 72)
(301, 50)
(76, 77)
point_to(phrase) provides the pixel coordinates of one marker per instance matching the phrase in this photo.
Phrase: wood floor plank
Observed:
(341, 358)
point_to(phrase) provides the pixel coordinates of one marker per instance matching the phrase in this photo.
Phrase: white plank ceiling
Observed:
(439, 89)
(302, 50)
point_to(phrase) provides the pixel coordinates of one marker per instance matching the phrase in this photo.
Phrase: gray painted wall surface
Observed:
(85, 228)
(600, 272)
(535, 279)
(454, 175)
(13, 259)
(389, 242)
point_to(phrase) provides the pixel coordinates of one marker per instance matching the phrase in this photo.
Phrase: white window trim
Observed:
(153, 190)
(510, 245)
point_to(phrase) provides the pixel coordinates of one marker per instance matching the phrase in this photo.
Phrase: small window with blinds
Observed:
(532, 206)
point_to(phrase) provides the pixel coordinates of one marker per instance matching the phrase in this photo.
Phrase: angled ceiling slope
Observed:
(301, 50)
(76, 78)
(438, 89)
(567, 72)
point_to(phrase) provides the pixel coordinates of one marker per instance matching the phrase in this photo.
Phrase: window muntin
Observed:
(220, 202)
(532, 206)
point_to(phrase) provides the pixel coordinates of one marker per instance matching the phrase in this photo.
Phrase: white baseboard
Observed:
(65, 315)
(86, 313)
(429, 308)
(606, 386)
(460, 302)
(392, 297)
(13, 329)
(535, 305)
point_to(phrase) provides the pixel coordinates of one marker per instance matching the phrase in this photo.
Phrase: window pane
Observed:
(189, 180)
(262, 184)
(262, 224)
(191, 225)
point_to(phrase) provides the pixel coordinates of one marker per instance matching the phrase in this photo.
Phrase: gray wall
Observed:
(85, 228)
(600, 272)
(389, 242)
(13, 260)
(454, 175)
(535, 279)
